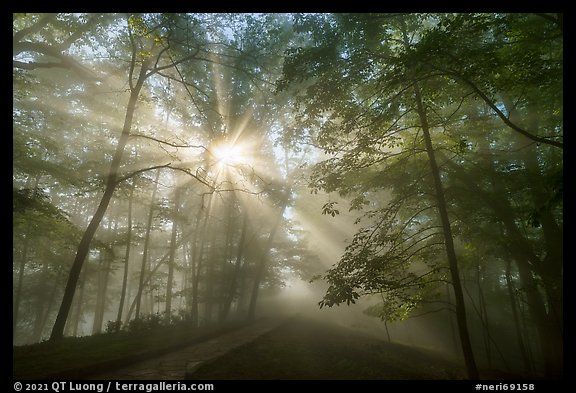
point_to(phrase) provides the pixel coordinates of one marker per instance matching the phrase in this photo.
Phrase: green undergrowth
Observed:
(78, 357)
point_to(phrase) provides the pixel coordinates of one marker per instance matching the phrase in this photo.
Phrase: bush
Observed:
(113, 326)
(145, 323)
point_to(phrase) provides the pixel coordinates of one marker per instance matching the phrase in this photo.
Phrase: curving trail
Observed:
(175, 365)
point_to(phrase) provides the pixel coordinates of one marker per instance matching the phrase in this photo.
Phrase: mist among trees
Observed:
(197, 169)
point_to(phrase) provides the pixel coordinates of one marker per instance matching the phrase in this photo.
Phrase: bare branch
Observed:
(189, 173)
(174, 63)
(132, 174)
(167, 143)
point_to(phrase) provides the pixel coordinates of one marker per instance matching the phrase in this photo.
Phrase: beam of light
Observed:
(227, 154)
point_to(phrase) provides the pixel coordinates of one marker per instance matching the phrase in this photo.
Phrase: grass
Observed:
(311, 350)
(77, 357)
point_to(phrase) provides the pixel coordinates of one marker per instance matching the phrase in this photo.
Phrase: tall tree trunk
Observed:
(98, 304)
(551, 268)
(198, 257)
(262, 262)
(550, 342)
(80, 296)
(126, 259)
(484, 315)
(235, 274)
(22, 267)
(104, 275)
(528, 263)
(521, 346)
(173, 247)
(453, 329)
(471, 368)
(210, 293)
(148, 278)
(49, 305)
(37, 331)
(111, 182)
(20, 283)
(449, 242)
(146, 245)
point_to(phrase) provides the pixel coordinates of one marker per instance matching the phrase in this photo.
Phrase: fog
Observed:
(175, 174)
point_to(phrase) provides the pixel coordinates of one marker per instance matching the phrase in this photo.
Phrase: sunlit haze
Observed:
(203, 196)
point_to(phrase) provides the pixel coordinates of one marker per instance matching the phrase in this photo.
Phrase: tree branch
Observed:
(32, 29)
(130, 175)
(189, 173)
(65, 60)
(504, 118)
(33, 65)
(175, 63)
(166, 142)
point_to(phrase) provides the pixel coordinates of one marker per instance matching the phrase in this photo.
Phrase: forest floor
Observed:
(78, 357)
(312, 350)
(296, 348)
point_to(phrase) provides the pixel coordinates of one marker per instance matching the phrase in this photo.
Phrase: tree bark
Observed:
(173, 247)
(20, 283)
(528, 263)
(235, 274)
(521, 346)
(111, 182)
(80, 298)
(484, 314)
(126, 259)
(146, 245)
(261, 267)
(449, 242)
(37, 333)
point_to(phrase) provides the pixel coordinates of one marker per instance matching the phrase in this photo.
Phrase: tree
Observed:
(381, 90)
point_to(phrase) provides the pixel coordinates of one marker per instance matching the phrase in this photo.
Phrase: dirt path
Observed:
(174, 365)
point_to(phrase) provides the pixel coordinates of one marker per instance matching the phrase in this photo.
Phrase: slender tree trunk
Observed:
(49, 305)
(550, 343)
(146, 245)
(453, 329)
(20, 283)
(173, 247)
(198, 252)
(126, 259)
(528, 263)
(235, 274)
(521, 346)
(211, 280)
(97, 321)
(387, 330)
(104, 275)
(111, 182)
(22, 267)
(40, 302)
(449, 242)
(471, 367)
(148, 278)
(484, 315)
(551, 268)
(261, 267)
(80, 298)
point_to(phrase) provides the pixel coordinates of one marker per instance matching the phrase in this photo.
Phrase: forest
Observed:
(400, 171)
